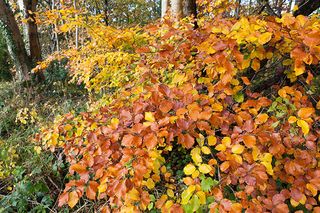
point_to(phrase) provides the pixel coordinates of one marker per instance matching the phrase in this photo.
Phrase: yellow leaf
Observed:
(287, 62)
(293, 202)
(318, 105)
(304, 126)
(264, 38)
(216, 107)
(205, 168)
(237, 149)
(221, 147)
(133, 194)
(168, 204)
(186, 194)
(266, 160)
(303, 200)
(189, 169)
(295, 8)
(206, 150)
(195, 174)
(292, 119)
(37, 149)
(312, 189)
(226, 141)
(202, 197)
(268, 167)
(148, 116)
(195, 155)
(255, 153)
(299, 69)
(73, 199)
(212, 140)
(170, 193)
(237, 158)
(102, 188)
(150, 183)
(115, 121)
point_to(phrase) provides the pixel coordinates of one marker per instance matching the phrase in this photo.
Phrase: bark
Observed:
(30, 7)
(306, 7)
(15, 42)
(190, 8)
(237, 12)
(176, 8)
(106, 12)
(33, 36)
(164, 7)
(289, 6)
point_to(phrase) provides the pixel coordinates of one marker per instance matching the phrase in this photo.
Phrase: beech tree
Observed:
(15, 43)
(179, 8)
(25, 52)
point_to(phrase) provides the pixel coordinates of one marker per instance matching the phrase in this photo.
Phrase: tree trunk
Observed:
(164, 7)
(176, 8)
(190, 8)
(33, 37)
(237, 11)
(106, 12)
(15, 42)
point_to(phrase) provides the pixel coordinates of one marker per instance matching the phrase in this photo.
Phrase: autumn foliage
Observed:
(186, 133)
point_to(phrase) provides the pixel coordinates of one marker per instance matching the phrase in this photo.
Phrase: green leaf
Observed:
(210, 200)
(150, 206)
(193, 205)
(186, 194)
(239, 97)
(275, 124)
(208, 183)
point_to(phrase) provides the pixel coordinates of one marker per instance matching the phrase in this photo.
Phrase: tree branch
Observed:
(307, 7)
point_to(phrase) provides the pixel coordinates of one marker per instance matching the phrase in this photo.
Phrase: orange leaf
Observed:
(63, 199)
(249, 140)
(165, 106)
(127, 140)
(77, 168)
(262, 118)
(245, 81)
(305, 113)
(224, 166)
(186, 140)
(255, 64)
(92, 189)
(150, 140)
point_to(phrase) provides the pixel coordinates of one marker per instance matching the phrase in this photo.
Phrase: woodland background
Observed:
(159, 106)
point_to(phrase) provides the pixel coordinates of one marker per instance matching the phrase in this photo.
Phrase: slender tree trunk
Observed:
(106, 12)
(33, 36)
(164, 7)
(177, 8)
(77, 28)
(237, 12)
(15, 42)
(289, 6)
